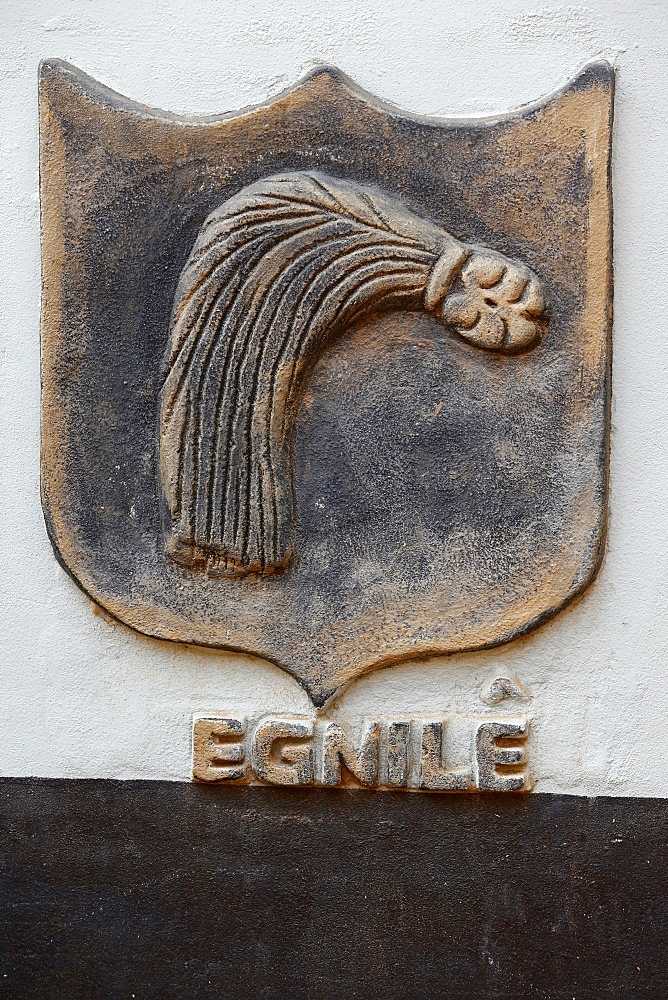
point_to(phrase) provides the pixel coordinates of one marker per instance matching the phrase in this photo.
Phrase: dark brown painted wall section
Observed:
(154, 889)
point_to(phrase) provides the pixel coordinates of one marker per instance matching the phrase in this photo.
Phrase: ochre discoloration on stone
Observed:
(445, 499)
(385, 754)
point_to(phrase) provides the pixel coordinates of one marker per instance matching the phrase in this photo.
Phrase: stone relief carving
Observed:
(381, 753)
(276, 271)
(324, 382)
(498, 687)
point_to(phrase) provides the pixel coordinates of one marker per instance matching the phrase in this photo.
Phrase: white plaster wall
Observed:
(82, 697)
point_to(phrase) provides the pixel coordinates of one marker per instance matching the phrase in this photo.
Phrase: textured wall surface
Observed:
(85, 698)
(212, 892)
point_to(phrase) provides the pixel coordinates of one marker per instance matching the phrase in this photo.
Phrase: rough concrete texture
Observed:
(83, 697)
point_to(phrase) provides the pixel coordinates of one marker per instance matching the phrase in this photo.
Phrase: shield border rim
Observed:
(105, 96)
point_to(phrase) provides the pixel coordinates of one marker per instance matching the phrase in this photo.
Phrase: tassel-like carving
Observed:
(278, 269)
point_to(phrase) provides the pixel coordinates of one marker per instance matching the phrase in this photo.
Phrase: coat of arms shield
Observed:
(324, 381)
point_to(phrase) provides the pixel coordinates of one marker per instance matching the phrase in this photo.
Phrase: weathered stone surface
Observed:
(276, 273)
(323, 381)
(380, 753)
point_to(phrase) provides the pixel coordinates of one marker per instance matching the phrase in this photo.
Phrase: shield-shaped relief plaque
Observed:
(324, 381)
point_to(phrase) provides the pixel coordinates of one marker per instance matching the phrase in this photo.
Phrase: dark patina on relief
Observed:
(323, 381)
(275, 274)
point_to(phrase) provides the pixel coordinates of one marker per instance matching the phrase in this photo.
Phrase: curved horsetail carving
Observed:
(278, 269)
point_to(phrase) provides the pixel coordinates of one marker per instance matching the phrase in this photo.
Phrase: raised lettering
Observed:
(384, 753)
(433, 776)
(397, 753)
(279, 754)
(488, 756)
(361, 760)
(217, 744)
